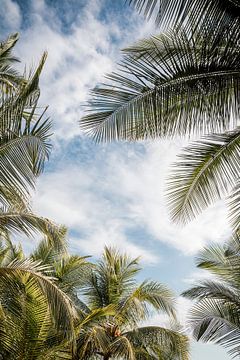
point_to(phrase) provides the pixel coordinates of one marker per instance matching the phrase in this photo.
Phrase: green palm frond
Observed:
(206, 171)
(167, 85)
(24, 136)
(157, 340)
(234, 207)
(112, 284)
(9, 77)
(216, 321)
(214, 316)
(20, 220)
(171, 12)
(134, 307)
(58, 302)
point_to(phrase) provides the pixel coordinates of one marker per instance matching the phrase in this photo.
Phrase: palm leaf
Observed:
(171, 12)
(206, 172)
(169, 84)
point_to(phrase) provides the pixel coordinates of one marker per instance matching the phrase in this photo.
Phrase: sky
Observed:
(106, 194)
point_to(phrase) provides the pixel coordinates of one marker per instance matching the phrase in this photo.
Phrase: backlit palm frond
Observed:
(206, 171)
(217, 321)
(168, 85)
(171, 12)
(113, 276)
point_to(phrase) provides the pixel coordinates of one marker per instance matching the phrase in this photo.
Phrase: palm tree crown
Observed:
(112, 286)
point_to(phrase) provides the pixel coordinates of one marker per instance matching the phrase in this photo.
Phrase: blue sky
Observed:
(111, 193)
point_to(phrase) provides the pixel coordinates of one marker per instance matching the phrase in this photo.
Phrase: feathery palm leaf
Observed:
(171, 12)
(24, 137)
(215, 313)
(206, 171)
(168, 85)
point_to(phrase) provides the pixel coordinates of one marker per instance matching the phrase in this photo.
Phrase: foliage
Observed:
(112, 286)
(183, 82)
(215, 314)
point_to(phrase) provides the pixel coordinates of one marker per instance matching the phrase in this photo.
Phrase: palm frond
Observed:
(234, 207)
(206, 172)
(20, 220)
(58, 302)
(171, 12)
(155, 339)
(169, 84)
(24, 136)
(134, 307)
(216, 321)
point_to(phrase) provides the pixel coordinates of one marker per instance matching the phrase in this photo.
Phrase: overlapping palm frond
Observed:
(214, 316)
(171, 84)
(36, 314)
(170, 12)
(206, 171)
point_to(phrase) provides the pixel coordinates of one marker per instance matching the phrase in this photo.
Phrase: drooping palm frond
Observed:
(214, 315)
(215, 318)
(159, 343)
(167, 85)
(133, 308)
(171, 12)
(58, 302)
(234, 207)
(206, 171)
(20, 220)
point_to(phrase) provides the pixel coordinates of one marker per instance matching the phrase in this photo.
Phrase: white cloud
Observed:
(77, 58)
(121, 189)
(10, 15)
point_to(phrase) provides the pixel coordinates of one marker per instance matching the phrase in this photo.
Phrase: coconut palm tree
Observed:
(214, 316)
(122, 334)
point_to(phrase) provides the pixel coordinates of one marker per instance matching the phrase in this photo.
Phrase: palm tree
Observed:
(179, 83)
(112, 287)
(36, 316)
(214, 316)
